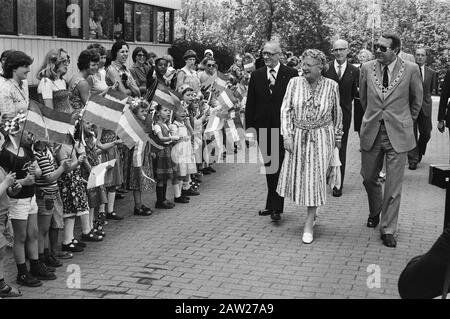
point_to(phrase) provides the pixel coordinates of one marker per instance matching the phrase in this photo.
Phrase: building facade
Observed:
(37, 26)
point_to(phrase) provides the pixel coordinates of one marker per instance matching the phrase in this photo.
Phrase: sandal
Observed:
(9, 292)
(91, 236)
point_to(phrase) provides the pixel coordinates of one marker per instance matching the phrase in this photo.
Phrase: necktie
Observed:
(421, 73)
(385, 77)
(339, 72)
(272, 80)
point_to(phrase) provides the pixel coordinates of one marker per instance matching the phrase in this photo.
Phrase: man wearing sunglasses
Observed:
(266, 91)
(347, 76)
(391, 95)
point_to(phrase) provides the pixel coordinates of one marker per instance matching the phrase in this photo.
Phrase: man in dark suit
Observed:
(262, 113)
(423, 125)
(347, 76)
(444, 105)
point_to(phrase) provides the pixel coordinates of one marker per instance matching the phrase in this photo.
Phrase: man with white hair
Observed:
(347, 76)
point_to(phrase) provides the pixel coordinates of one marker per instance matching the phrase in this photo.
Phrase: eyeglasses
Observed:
(304, 65)
(140, 55)
(381, 47)
(270, 54)
(339, 49)
(210, 65)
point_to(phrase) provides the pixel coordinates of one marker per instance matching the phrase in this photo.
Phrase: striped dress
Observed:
(314, 121)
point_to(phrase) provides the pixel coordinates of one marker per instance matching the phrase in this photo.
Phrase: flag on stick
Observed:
(226, 99)
(166, 97)
(131, 131)
(98, 173)
(220, 82)
(103, 112)
(58, 124)
(35, 122)
(117, 96)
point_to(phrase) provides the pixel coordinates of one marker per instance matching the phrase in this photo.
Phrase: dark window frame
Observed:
(171, 24)
(15, 18)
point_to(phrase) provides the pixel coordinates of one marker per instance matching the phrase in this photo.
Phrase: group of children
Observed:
(43, 185)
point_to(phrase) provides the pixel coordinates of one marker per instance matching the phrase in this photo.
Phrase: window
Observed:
(165, 23)
(7, 17)
(129, 22)
(26, 16)
(69, 18)
(101, 19)
(144, 23)
(45, 16)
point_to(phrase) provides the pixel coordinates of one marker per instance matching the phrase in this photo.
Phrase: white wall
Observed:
(37, 48)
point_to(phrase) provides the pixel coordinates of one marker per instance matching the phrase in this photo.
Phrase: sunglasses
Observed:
(140, 55)
(210, 65)
(382, 48)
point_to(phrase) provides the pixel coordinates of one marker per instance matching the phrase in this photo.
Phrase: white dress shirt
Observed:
(276, 69)
(390, 69)
(343, 67)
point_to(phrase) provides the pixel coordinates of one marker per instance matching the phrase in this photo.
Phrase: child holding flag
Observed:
(74, 196)
(140, 178)
(165, 169)
(17, 157)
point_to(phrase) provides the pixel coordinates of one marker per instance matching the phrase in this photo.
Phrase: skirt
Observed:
(164, 167)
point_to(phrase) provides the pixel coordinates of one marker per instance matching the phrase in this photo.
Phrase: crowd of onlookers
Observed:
(44, 184)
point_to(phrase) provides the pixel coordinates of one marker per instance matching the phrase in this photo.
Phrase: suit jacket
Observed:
(429, 85)
(348, 89)
(263, 109)
(398, 106)
(444, 106)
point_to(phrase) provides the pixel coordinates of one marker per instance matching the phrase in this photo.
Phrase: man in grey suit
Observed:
(423, 125)
(391, 95)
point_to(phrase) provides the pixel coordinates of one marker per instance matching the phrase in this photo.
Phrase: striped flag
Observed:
(240, 92)
(35, 122)
(215, 123)
(103, 112)
(58, 124)
(226, 99)
(250, 67)
(234, 128)
(131, 131)
(166, 97)
(117, 96)
(221, 82)
(98, 173)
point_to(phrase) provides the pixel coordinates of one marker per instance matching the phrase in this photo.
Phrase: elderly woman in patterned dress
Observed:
(311, 125)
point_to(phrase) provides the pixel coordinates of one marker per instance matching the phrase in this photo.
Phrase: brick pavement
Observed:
(217, 246)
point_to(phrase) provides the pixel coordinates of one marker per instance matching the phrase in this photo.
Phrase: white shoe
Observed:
(307, 238)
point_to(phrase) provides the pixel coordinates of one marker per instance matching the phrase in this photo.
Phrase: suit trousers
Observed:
(265, 140)
(422, 131)
(343, 154)
(388, 204)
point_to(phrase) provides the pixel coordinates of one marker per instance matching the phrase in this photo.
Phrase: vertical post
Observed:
(447, 206)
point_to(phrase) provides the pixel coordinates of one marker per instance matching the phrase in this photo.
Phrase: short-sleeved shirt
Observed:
(158, 128)
(19, 165)
(47, 164)
(46, 87)
(13, 97)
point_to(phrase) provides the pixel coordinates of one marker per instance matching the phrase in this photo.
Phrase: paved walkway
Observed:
(217, 246)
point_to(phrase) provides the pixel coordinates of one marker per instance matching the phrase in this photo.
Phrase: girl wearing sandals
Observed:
(73, 194)
(136, 180)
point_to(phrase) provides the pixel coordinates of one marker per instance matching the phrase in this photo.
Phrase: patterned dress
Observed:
(136, 180)
(164, 167)
(182, 152)
(72, 188)
(313, 119)
(116, 178)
